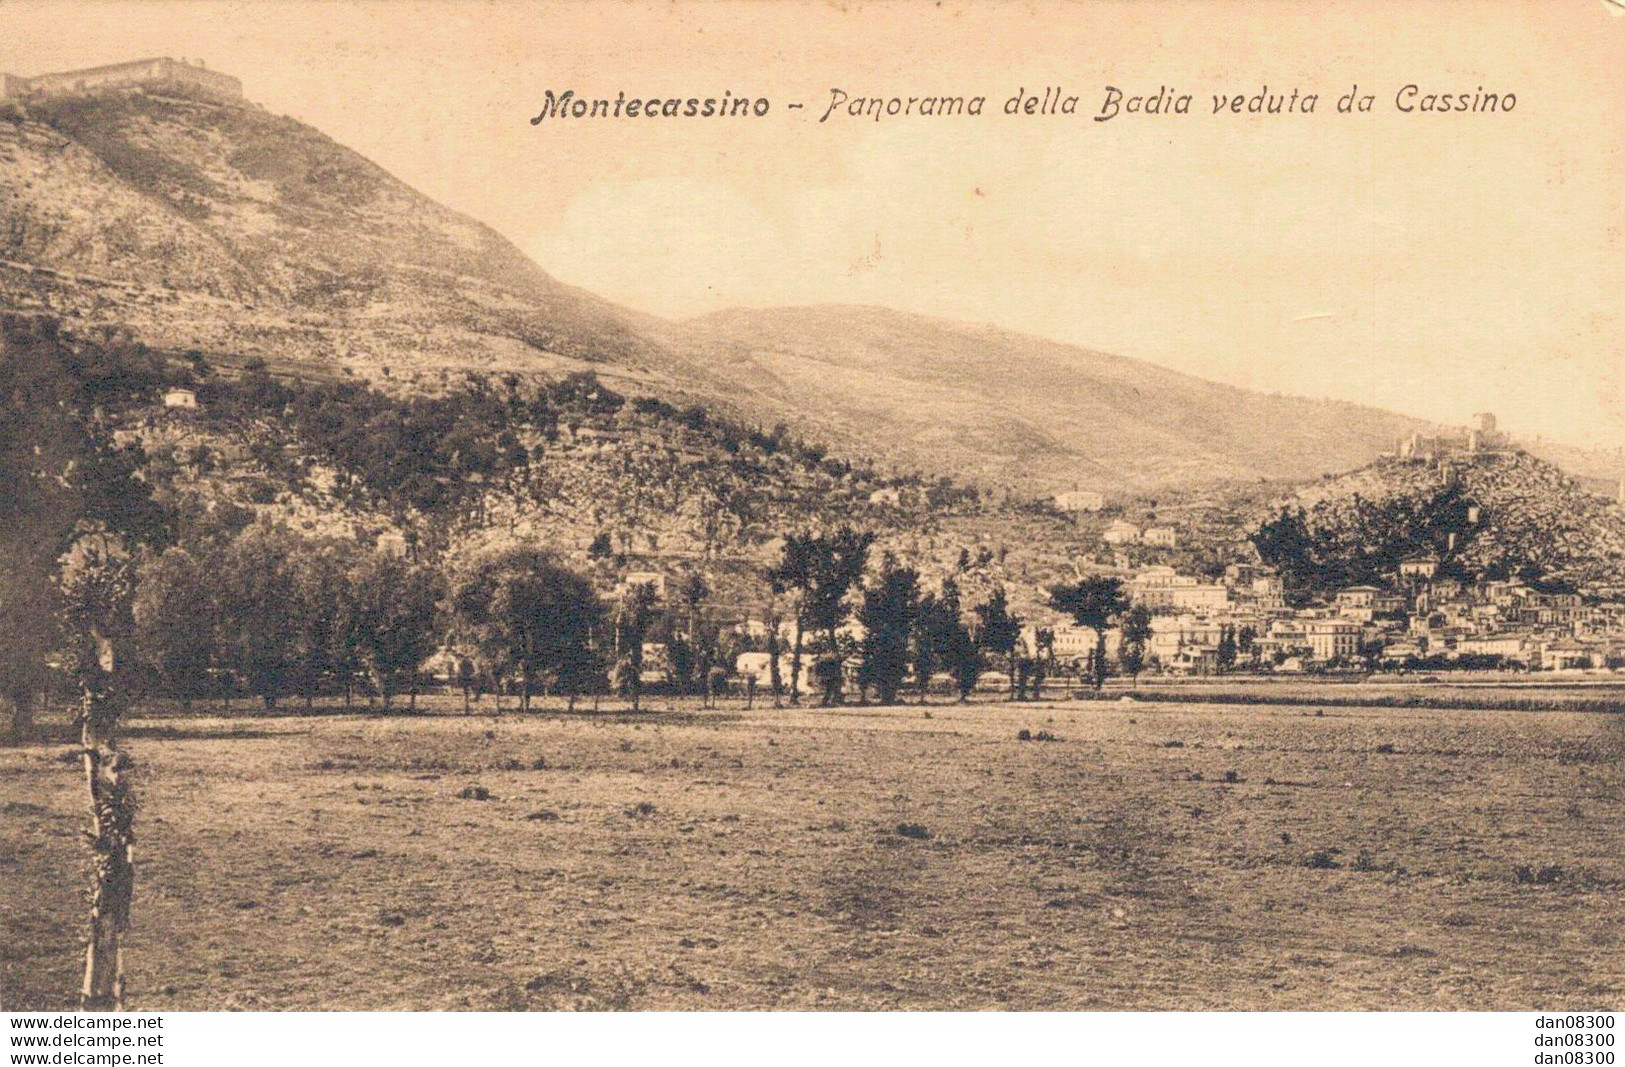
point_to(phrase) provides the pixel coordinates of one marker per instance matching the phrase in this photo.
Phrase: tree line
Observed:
(907, 634)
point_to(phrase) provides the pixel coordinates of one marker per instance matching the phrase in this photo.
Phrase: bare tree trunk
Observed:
(22, 717)
(112, 815)
(795, 667)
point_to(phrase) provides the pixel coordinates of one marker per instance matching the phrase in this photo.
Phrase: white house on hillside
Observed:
(1121, 533)
(1080, 500)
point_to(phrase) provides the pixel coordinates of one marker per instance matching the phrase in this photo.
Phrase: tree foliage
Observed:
(1095, 602)
(1135, 638)
(999, 631)
(175, 623)
(817, 571)
(525, 614)
(388, 611)
(890, 611)
(951, 640)
(1360, 541)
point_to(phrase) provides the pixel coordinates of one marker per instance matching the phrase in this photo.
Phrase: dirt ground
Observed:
(1150, 856)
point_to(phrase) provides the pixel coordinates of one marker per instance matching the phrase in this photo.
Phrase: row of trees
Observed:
(283, 615)
(909, 633)
(280, 615)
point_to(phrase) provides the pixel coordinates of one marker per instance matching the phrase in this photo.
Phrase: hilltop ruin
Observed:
(159, 73)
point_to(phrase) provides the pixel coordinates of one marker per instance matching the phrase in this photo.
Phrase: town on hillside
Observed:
(455, 563)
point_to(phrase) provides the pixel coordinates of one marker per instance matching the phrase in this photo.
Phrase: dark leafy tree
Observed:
(998, 631)
(1136, 637)
(466, 677)
(818, 571)
(175, 623)
(952, 641)
(692, 593)
(1043, 660)
(927, 643)
(682, 662)
(1095, 602)
(326, 646)
(390, 609)
(891, 608)
(634, 615)
(259, 615)
(525, 614)
(792, 576)
(1247, 643)
(580, 671)
(963, 660)
(775, 681)
(1226, 652)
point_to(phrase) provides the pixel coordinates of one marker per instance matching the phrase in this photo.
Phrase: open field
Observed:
(1154, 855)
(1501, 691)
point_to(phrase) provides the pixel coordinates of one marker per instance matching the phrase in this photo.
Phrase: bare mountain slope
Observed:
(980, 399)
(221, 227)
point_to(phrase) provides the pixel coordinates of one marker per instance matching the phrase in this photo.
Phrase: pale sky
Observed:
(1437, 265)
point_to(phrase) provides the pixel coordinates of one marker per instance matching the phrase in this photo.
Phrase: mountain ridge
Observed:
(208, 225)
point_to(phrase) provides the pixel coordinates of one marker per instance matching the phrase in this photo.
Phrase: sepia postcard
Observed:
(776, 507)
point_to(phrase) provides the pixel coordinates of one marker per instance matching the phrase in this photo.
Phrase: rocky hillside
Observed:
(1507, 515)
(224, 228)
(613, 483)
(218, 227)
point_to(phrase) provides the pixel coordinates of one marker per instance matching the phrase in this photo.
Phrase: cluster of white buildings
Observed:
(1127, 533)
(1415, 616)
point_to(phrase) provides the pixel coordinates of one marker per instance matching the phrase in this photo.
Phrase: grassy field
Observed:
(1478, 689)
(1152, 855)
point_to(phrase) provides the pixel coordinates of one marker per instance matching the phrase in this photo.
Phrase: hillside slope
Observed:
(1499, 516)
(216, 226)
(221, 227)
(992, 402)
